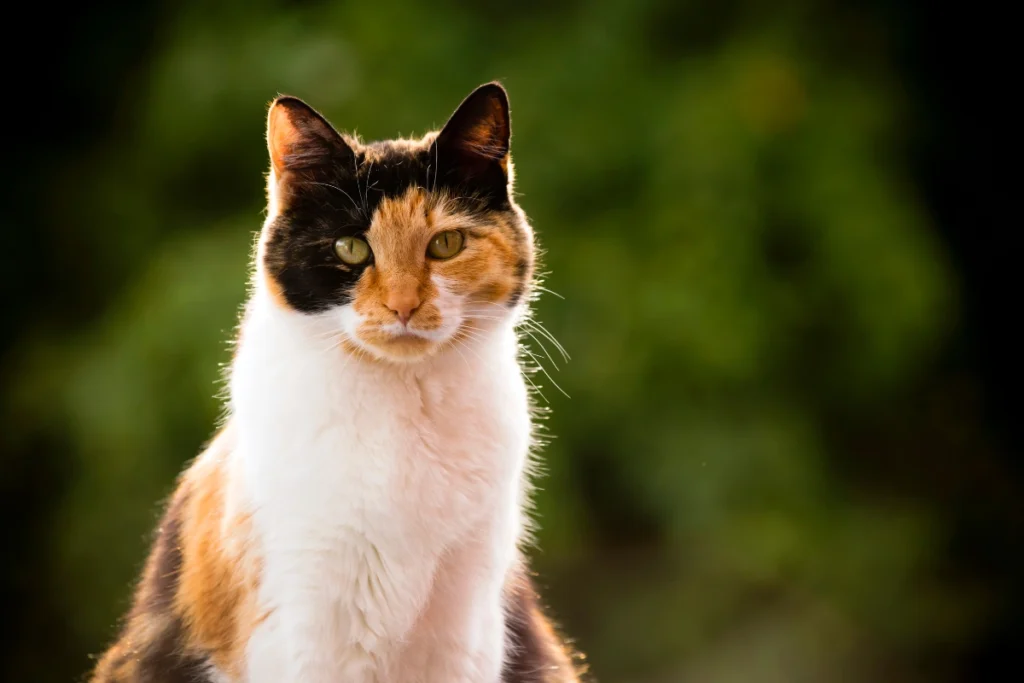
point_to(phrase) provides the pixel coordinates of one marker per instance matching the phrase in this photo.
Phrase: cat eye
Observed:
(352, 250)
(445, 244)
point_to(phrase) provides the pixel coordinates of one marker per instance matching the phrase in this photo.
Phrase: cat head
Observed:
(402, 246)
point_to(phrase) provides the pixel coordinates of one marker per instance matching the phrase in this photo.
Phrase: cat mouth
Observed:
(400, 332)
(404, 345)
(399, 342)
(400, 339)
(407, 334)
(408, 342)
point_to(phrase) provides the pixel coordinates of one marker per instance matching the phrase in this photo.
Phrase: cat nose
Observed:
(403, 303)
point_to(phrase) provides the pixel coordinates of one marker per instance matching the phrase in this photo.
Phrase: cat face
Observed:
(404, 246)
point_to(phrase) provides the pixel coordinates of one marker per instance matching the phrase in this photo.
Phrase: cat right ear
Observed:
(300, 139)
(475, 141)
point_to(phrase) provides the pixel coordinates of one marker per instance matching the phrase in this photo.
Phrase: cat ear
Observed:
(299, 138)
(475, 141)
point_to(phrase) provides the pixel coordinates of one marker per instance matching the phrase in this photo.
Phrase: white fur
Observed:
(386, 498)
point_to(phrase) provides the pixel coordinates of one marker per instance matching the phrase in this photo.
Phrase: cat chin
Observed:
(404, 349)
(397, 344)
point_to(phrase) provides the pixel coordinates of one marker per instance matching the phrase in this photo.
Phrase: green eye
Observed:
(352, 250)
(445, 244)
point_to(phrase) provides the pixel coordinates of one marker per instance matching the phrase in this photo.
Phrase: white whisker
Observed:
(538, 327)
(333, 187)
(549, 291)
(545, 371)
(545, 349)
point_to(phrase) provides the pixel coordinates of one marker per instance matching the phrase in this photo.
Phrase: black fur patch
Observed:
(152, 647)
(163, 661)
(167, 559)
(522, 269)
(534, 654)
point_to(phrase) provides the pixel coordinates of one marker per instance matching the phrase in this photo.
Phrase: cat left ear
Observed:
(299, 138)
(475, 141)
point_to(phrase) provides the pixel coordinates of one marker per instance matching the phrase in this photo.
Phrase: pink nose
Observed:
(404, 304)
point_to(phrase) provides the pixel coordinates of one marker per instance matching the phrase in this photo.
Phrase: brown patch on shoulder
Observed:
(152, 645)
(217, 586)
(534, 652)
(195, 603)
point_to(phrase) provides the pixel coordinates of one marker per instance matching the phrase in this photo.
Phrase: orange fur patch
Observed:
(281, 135)
(274, 290)
(196, 601)
(486, 271)
(219, 576)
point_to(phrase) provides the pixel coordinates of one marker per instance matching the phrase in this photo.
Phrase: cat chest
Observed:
(353, 529)
(397, 481)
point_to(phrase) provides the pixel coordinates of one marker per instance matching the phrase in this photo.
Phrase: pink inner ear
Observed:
(484, 138)
(488, 134)
(479, 128)
(281, 137)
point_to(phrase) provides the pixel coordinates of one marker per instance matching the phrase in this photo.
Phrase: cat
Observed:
(360, 515)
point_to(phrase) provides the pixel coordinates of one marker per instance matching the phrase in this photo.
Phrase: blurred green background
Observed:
(778, 462)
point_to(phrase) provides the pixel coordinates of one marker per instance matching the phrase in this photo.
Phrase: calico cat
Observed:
(359, 516)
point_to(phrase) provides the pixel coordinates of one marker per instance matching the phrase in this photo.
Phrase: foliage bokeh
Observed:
(747, 284)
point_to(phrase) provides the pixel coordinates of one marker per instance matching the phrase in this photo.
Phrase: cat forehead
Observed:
(389, 169)
(394, 150)
(388, 172)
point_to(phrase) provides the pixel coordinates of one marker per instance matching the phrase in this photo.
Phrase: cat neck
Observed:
(281, 348)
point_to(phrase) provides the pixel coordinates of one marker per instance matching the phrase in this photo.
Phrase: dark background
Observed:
(908, 472)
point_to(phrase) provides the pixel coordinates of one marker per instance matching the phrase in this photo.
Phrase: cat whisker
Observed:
(476, 316)
(455, 347)
(532, 323)
(540, 392)
(335, 341)
(366, 189)
(475, 333)
(436, 165)
(358, 354)
(361, 208)
(549, 291)
(540, 329)
(333, 187)
(544, 370)
(544, 348)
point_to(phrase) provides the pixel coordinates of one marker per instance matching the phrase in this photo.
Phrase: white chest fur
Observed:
(386, 503)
